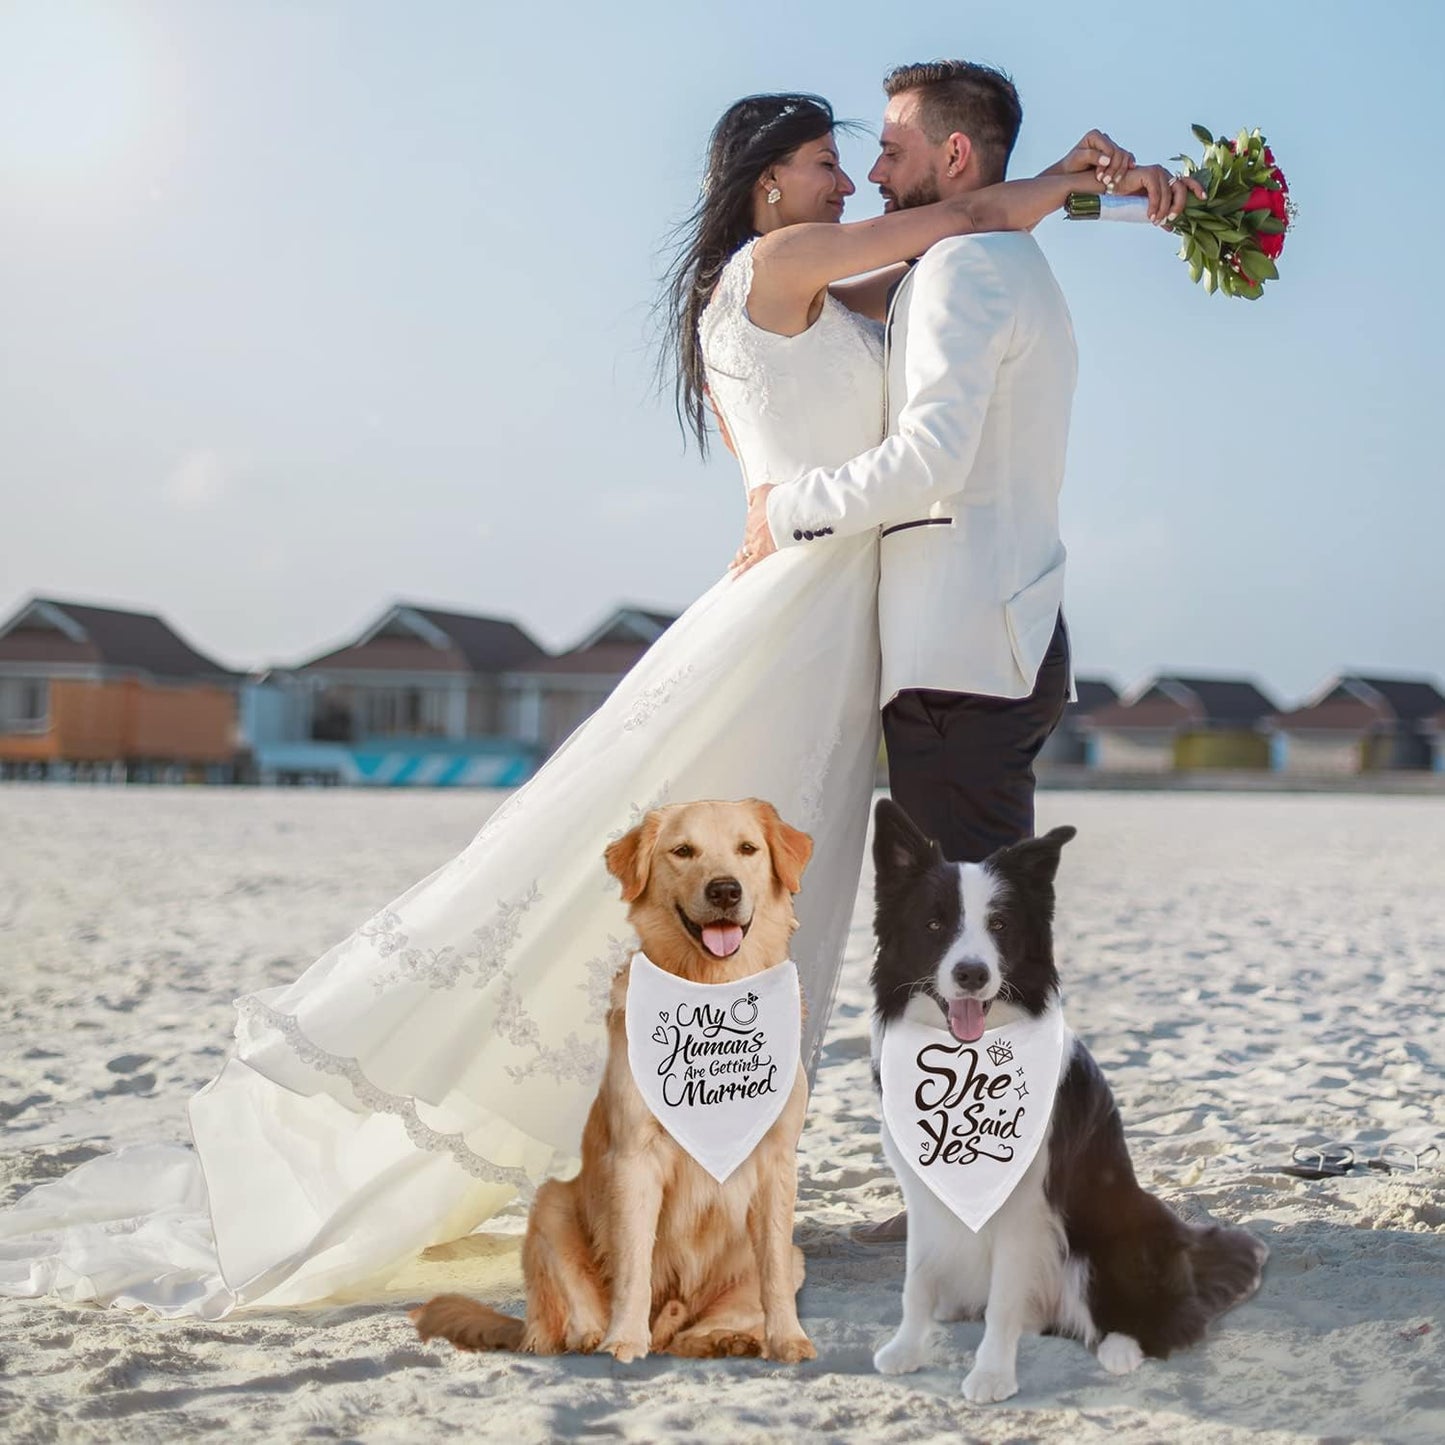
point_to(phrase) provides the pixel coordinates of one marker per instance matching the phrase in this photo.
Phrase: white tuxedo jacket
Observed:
(979, 368)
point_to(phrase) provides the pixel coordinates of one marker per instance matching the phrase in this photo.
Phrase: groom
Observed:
(979, 377)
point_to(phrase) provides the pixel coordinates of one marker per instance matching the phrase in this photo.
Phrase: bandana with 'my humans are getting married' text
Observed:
(715, 1062)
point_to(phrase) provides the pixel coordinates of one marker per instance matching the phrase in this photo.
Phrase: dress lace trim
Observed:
(421, 1134)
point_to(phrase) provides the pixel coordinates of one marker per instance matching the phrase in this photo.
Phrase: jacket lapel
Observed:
(904, 282)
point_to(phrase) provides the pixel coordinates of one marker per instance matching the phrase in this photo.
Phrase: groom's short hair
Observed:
(958, 95)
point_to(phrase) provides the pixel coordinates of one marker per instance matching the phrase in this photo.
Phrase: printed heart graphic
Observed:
(664, 1014)
(659, 1035)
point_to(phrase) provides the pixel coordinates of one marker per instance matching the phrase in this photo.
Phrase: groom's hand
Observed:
(1167, 193)
(758, 536)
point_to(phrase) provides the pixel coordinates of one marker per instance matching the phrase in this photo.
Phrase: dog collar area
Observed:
(778, 970)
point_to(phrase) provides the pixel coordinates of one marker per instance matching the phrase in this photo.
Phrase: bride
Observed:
(440, 1062)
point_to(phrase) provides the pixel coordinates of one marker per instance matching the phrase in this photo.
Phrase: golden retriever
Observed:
(644, 1249)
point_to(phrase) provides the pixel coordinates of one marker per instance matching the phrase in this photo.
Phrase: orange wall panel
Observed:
(97, 722)
(190, 724)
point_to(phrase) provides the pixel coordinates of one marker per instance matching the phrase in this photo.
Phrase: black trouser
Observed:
(962, 765)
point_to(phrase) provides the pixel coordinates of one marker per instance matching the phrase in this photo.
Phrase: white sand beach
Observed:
(1250, 971)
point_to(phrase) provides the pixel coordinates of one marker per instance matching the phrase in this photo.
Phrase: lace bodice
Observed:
(791, 402)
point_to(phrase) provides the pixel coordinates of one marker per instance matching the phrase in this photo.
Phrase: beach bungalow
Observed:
(1179, 724)
(415, 699)
(105, 692)
(1356, 724)
(1069, 744)
(549, 698)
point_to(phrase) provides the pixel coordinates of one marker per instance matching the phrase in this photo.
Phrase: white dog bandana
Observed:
(715, 1062)
(969, 1118)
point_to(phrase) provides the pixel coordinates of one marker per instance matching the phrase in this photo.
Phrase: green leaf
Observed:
(1196, 267)
(1208, 243)
(1210, 281)
(1268, 225)
(1202, 135)
(1257, 266)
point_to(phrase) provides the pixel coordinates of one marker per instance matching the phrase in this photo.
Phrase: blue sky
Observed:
(308, 306)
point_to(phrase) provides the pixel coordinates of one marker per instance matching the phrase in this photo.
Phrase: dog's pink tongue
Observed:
(722, 940)
(965, 1019)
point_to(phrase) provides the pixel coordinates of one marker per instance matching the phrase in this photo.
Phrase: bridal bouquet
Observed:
(1232, 238)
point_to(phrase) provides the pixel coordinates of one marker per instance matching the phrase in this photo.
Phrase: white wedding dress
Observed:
(441, 1061)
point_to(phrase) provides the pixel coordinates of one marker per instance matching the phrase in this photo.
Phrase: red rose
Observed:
(1268, 156)
(1262, 198)
(1271, 245)
(1278, 175)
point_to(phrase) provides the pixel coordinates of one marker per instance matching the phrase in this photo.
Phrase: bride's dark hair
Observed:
(754, 133)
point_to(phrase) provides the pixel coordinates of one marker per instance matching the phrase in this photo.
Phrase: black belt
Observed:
(922, 522)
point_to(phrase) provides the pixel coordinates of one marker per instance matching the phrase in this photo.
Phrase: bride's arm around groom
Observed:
(972, 306)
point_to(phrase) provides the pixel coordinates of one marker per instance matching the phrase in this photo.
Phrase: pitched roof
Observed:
(628, 624)
(1227, 699)
(605, 659)
(489, 644)
(1171, 701)
(1353, 703)
(47, 629)
(428, 639)
(1338, 713)
(1409, 698)
(1093, 693)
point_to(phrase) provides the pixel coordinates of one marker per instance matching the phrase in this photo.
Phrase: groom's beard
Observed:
(925, 193)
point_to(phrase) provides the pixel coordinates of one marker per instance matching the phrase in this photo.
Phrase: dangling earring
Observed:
(774, 196)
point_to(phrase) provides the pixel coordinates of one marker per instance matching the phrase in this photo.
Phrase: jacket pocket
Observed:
(1031, 614)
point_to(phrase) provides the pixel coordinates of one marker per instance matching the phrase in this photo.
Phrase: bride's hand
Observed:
(1167, 192)
(758, 537)
(1097, 152)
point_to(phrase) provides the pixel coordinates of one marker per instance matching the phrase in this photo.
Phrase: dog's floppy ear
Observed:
(898, 844)
(629, 859)
(1037, 859)
(790, 847)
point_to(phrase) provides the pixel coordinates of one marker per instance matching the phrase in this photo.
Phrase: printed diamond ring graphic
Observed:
(745, 1011)
(1001, 1053)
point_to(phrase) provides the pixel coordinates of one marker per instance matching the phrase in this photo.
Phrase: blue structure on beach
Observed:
(415, 701)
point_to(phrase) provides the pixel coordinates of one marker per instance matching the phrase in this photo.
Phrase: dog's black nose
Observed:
(970, 975)
(724, 892)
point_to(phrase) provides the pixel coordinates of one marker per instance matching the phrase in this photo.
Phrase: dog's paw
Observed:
(624, 1350)
(984, 1386)
(791, 1349)
(584, 1342)
(899, 1357)
(1120, 1354)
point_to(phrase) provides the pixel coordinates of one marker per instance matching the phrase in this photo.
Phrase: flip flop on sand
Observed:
(1330, 1161)
(1324, 1161)
(1398, 1159)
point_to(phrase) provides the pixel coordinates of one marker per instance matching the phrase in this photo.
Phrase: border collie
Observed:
(1078, 1249)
